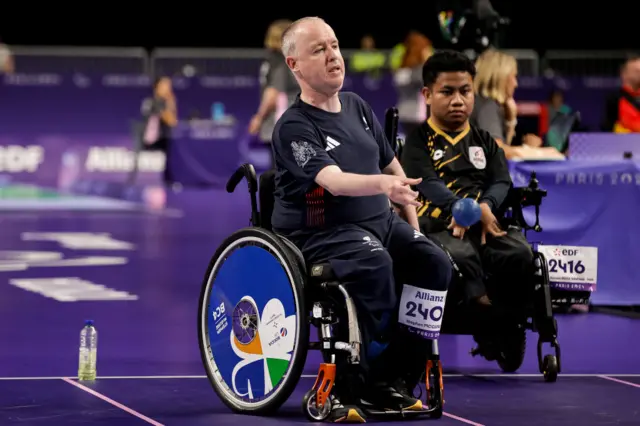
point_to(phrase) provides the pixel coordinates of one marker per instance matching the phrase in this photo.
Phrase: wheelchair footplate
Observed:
(434, 385)
(317, 402)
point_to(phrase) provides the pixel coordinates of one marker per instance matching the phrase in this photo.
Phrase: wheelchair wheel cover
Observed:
(252, 326)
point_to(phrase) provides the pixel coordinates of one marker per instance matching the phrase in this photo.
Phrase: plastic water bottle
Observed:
(88, 352)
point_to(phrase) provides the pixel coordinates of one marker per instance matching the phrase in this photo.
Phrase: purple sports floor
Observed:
(137, 273)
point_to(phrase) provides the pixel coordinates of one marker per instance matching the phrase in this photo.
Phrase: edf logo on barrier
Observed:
(565, 252)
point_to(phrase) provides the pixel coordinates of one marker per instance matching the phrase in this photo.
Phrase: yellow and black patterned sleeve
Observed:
(416, 162)
(498, 170)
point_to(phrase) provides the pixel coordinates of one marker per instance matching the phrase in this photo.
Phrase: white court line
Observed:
(112, 402)
(313, 376)
(462, 419)
(624, 382)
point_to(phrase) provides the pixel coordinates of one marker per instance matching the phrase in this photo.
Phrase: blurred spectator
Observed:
(495, 108)
(551, 109)
(395, 57)
(556, 121)
(368, 59)
(279, 87)
(161, 114)
(6, 59)
(622, 110)
(408, 82)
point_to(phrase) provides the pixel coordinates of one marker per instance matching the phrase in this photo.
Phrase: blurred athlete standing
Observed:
(278, 86)
(412, 110)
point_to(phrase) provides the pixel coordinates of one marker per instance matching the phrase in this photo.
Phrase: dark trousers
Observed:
(505, 262)
(373, 260)
(163, 144)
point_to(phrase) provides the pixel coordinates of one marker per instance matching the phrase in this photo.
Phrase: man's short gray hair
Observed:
(289, 35)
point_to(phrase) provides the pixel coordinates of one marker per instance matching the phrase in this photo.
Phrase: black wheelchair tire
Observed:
(290, 263)
(513, 352)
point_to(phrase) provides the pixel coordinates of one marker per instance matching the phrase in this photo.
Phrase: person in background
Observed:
(556, 121)
(551, 109)
(7, 65)
(407, 80)
(161, 115)
(368, 59)
(279, 87)
(622, 110)
(495, 108)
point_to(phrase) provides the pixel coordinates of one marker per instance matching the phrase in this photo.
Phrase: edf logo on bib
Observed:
(565, 252)
(477, 158)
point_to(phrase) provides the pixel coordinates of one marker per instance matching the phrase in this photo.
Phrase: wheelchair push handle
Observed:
(391, 119)
(247, 171)
(244, 171)
(531, 196)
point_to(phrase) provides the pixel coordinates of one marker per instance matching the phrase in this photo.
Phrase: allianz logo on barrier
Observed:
(20, 159)
(110, 159)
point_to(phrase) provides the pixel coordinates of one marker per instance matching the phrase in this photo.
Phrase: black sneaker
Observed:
(392, 396)
(345, 413)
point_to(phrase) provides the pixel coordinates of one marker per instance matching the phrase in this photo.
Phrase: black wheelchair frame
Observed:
(320, 292)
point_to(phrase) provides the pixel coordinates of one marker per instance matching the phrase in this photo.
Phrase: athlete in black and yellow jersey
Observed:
(457, 160)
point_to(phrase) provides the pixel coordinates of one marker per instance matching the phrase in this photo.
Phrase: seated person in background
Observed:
(6, 60)
(494, 85)
(495, 108)
(457, 160)
(335, 175)
(622, 109)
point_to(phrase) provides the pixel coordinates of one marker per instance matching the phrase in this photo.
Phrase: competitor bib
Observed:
(571, 268)
(422, 310)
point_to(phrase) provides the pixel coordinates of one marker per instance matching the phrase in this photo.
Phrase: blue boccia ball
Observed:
(466, 212)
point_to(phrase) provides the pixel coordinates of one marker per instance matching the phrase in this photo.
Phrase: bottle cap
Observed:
(88, 323)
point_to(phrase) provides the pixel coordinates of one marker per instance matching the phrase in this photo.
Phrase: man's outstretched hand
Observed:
(399, 191)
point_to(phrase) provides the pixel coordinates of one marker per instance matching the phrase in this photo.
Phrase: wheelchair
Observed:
(509, 350)
(259, 299)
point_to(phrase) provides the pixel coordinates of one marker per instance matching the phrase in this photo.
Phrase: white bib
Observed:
(422, 310)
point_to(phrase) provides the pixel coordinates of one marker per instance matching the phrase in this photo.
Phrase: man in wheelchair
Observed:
(335, 175)
(457, 160)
